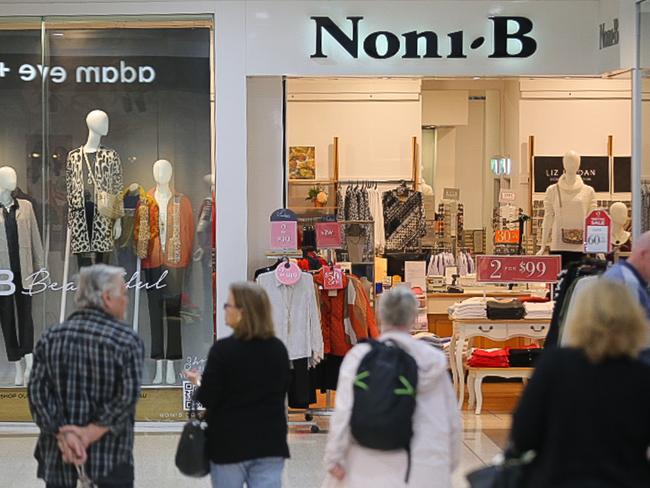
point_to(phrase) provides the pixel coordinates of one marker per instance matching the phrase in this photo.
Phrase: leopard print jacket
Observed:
(108, 173)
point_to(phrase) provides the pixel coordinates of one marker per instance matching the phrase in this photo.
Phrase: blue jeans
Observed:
(256, 473)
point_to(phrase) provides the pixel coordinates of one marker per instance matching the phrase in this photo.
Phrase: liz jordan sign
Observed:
(511, 38)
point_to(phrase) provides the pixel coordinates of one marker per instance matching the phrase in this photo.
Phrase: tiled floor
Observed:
(484, 437)
(155, 467)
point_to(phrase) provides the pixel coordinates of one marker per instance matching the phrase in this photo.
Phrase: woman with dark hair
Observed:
(243, 388)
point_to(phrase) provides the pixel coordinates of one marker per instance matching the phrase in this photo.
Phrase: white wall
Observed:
(264, 163)
(470, 164)
(374, 120)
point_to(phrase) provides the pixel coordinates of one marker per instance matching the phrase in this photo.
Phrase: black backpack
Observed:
(384, 399)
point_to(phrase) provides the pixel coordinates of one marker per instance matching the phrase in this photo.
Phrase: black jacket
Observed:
(244, 388)
(589, 423)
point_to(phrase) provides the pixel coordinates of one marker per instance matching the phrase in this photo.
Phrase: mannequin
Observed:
(566, 205)
(620, 237)
(21, 251)
(168, 257)
(92, 165)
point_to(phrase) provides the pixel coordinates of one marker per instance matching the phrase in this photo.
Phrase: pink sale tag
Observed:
(284, 235)
(332, 278)
(288, 273)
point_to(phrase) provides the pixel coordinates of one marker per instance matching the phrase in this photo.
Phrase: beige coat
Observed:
(29, 240)
(436, 443)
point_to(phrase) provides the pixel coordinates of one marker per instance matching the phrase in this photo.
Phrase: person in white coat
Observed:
(436, 442)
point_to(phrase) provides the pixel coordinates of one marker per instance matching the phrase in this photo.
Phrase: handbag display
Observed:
(109, 205)
(570, 236)
(192, 451)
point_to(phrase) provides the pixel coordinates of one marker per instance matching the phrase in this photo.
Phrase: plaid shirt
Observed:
(86, 370)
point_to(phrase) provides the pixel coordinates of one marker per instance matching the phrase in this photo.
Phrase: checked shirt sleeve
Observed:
(117, 413)
(43, 402)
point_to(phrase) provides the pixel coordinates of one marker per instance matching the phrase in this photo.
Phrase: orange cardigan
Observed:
(180, 234)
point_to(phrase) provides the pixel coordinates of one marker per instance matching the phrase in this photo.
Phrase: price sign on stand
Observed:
(518, 269)
(508, 236)
(451, 194)
(328, 235)
(598, 237)
(332, 278)
(284, 230)
(507, 196)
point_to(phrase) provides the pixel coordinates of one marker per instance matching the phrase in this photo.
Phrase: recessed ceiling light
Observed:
(57, 34)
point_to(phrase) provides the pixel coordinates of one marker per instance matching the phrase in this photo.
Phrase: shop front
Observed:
(460, 112)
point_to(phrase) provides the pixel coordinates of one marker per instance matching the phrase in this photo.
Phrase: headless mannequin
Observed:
(8, 183)
(97, 122)
(572, 191)
(162, 175)
(618, 212)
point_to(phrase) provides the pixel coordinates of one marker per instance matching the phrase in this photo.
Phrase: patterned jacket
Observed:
(108, 174)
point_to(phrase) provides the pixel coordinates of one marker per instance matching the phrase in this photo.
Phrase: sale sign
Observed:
(288, 273)
(332, 278)
(598, 232)
(518, 269)
(508, 236)
(328, 235)
(284, 235)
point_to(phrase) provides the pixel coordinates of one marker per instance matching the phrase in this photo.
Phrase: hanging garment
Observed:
(21, 248)
(404, 219)
(377, 213)
(90, 231)
(295, 315)
(333, 305)
(179, 237)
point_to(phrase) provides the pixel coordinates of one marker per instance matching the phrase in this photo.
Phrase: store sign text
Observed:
(40, 282)
(608, 37)
(385, 44)
(122, 73)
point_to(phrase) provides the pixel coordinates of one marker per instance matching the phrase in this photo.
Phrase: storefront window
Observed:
(644, 52)
(105, 110)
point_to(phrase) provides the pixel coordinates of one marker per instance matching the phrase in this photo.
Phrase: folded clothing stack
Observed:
(524, 357)
(489, 358)
(433, 340)
(539, 310)
(472, 308)
(505, 310)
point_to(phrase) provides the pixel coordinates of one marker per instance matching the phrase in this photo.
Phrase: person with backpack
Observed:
(396, 421)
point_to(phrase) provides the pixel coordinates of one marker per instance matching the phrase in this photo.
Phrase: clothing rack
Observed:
(376, 182)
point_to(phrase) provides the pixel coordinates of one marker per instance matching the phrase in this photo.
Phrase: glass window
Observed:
(108, 124)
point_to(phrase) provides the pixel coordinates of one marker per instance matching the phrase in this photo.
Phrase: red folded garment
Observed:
(532, 299)
(482, 358)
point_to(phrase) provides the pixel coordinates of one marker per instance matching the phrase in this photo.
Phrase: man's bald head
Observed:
(640, 257)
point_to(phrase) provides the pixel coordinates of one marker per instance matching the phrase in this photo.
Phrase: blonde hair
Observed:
(256, 319)
(608, 322)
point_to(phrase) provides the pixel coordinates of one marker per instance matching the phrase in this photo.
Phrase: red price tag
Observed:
(328, 235)
(332, 278)
(518, 269)
(598, 237)
(506, 236)
(284, 235)
(288, 273)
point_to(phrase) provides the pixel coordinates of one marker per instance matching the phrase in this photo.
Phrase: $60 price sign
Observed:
(518, 269)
